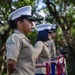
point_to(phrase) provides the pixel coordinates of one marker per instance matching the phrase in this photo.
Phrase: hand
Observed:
(49, 62)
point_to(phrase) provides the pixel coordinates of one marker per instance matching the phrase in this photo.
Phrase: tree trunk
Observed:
(71, 60)
(0, 41)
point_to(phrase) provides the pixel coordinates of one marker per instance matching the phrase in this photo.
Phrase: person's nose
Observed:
(33, 24)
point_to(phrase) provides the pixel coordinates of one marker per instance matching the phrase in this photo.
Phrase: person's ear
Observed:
(19, 23)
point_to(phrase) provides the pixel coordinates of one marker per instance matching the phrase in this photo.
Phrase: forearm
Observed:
(10, 66)
(39, 65)
(10, 69)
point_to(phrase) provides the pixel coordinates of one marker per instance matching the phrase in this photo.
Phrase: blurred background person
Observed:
(52, 47)
(45, 55)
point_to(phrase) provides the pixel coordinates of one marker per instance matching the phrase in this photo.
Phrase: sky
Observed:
(41, 5)
(15, 0)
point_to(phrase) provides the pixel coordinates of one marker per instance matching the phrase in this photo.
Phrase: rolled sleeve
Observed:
(38, 48)
(13, 47)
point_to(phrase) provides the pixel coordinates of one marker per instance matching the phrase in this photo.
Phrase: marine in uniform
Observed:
(52, 47)
(45, 55)
(20, 53)
(51, 42)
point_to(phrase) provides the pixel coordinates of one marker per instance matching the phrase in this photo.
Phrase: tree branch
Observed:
(54, 13)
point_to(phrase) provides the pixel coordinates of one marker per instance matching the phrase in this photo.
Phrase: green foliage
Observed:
(73, 31)
(3, 28)
(21, 3)
(6, 7)
(32, 37)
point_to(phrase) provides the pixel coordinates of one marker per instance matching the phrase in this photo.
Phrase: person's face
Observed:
(49, 36)
(53, 35)
(26, 26)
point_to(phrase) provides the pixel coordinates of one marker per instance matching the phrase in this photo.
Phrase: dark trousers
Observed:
(39, 74)
(53, 68)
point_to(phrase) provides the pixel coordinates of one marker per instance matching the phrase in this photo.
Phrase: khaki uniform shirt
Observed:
(19, 49)
(52, 48)
(43, 57)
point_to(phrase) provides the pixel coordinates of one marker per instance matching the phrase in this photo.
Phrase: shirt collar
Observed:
(21, 34)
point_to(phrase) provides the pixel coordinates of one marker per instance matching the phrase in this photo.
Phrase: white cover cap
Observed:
(42, 27)
(53, 26)
(26, 10)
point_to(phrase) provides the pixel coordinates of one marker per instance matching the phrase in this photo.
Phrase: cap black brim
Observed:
(52, 31)
(31, 18)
